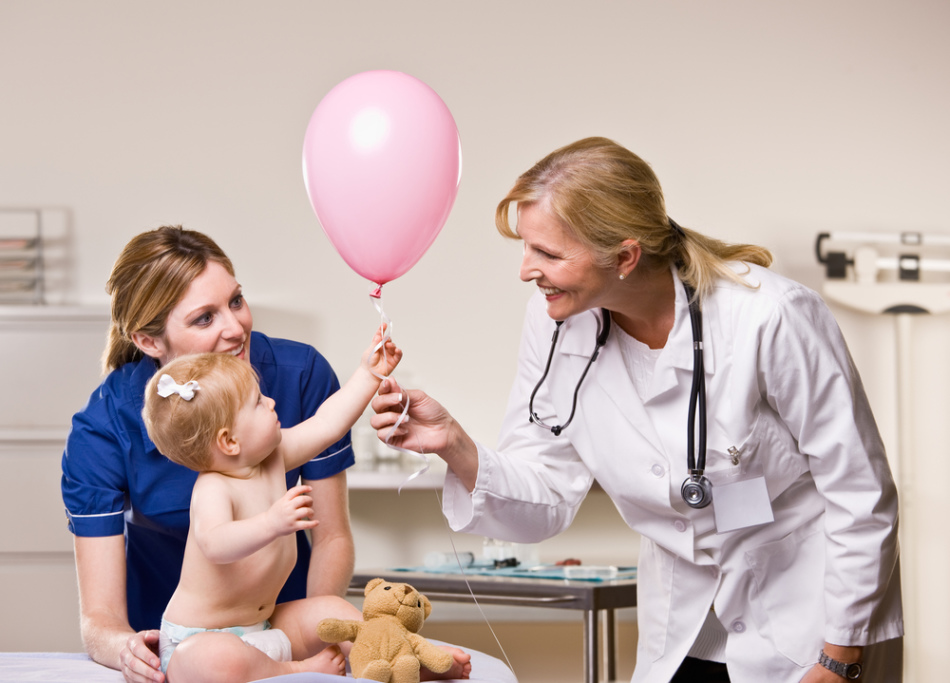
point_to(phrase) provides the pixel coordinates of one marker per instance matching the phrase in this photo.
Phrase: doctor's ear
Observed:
(628, 257)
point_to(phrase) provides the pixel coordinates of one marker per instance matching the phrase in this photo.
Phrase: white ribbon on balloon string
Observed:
(376, 296)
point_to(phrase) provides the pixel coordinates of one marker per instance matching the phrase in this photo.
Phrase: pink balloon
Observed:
(381, 164)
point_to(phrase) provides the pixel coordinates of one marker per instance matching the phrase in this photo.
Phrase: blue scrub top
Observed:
(115, 481)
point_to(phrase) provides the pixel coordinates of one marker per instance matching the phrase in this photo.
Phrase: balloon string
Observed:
(376, 297)
(469, 585)
(384, 321)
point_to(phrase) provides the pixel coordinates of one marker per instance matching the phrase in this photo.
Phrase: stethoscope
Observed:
(697, 489)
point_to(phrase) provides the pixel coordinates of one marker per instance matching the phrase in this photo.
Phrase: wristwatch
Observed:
(852, 671)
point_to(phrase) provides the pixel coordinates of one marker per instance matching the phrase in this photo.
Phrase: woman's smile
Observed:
(553, 255)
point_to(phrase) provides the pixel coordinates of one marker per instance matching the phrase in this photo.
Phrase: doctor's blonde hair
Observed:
(184, 431)
(605, 194)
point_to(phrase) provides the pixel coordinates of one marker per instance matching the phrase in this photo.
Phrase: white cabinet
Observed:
(48, 368)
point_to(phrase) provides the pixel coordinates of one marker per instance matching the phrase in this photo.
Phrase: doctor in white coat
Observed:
(791, 572)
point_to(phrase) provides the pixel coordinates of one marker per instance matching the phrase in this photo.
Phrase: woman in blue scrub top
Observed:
(174, 292)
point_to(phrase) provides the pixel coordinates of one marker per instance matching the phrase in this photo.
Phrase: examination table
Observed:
(31, 667)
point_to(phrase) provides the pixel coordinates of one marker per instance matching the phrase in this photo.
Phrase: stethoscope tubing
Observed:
(602, 335)
(697, 393)
(697, 399)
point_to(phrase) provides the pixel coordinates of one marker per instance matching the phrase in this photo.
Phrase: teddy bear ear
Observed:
(372, 584)
(426, 606)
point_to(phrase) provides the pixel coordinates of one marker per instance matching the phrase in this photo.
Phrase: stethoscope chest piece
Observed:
(697, 490)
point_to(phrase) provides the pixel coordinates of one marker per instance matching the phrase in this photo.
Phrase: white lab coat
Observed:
(782, 389)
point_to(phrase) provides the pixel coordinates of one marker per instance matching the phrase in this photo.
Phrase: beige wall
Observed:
(766, 122)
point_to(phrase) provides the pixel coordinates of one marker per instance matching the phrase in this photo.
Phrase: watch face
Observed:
(853, 672)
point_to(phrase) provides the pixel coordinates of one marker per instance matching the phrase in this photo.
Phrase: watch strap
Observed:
(850, 671)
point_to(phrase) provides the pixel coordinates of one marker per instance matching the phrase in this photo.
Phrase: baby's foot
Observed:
(329, 660)
(461, 666)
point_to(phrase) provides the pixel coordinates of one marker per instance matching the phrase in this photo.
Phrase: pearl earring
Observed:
(622, 276)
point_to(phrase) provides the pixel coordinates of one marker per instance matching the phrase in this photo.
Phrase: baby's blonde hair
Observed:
(184, 431)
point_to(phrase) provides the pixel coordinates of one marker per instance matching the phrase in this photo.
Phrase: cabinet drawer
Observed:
(40, 601)
(31, 505)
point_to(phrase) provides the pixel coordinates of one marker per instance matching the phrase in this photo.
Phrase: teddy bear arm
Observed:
(337, 630)
(433, 658)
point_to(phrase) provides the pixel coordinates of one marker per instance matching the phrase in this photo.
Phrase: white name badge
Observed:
(741, 504)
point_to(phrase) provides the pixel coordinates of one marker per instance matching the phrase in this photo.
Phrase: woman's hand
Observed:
(427, 428)
(140, 662)
(106, 633)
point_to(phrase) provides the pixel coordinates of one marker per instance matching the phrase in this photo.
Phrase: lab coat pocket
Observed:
(769, 450)
(654, 592)
(789, 579)
(730, 459)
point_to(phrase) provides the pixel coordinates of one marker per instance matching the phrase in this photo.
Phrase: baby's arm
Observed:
(223, 540)
(338, 413)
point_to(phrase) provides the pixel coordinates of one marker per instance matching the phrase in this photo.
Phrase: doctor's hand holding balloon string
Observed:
(805, 562)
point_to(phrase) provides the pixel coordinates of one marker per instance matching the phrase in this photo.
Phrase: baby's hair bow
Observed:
(167, 387)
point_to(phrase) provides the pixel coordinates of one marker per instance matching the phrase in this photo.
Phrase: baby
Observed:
(206, 412)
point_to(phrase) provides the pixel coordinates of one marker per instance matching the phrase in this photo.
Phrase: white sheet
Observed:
(60, 667)
(26, 667)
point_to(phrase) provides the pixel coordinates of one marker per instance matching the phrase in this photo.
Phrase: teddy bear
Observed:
(386, 646)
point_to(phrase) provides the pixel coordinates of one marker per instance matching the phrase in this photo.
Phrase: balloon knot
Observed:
(378, 292)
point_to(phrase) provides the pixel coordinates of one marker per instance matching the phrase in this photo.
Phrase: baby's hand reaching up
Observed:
(383, 360)
(292, 512)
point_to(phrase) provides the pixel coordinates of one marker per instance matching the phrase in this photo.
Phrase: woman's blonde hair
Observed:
(184, 431)
(149, 278)
(604, 194)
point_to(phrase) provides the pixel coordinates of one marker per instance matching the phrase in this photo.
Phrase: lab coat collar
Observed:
(678, 352)
(669, 388)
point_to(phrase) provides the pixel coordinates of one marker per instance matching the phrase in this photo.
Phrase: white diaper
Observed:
(271, 641)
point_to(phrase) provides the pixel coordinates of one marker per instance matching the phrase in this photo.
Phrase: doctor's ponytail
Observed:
(604, 194)
(702, 260)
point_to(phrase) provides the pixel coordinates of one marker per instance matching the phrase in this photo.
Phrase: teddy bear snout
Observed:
(410, 596)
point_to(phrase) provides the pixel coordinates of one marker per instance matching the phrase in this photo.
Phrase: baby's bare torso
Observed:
(242, 592)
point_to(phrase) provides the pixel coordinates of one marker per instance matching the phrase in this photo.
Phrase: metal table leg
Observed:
(591, 647)
(610, 644)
